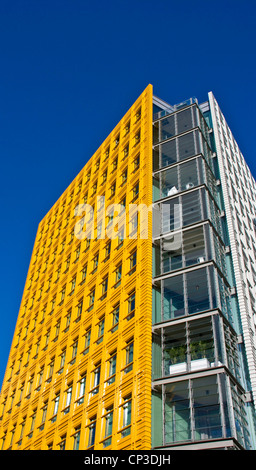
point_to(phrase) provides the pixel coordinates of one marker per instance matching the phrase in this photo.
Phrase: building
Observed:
(136, 329)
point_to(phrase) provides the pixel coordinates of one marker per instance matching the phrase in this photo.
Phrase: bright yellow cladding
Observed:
(50, 357)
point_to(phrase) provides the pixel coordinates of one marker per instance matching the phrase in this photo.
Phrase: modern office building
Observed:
(136, 329)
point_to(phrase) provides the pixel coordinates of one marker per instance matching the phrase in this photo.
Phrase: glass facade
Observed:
(197, 380)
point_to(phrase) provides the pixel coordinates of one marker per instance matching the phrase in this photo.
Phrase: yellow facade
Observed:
(79, 369)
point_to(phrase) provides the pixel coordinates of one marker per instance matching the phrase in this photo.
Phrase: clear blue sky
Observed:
(69, 70)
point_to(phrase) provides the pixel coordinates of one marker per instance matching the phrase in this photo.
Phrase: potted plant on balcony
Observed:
(176, 357)
(198, 351)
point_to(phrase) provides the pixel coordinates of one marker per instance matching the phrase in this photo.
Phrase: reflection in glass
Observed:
(198, 415)
(197, 291)
(189, 293)
(177, 412)
(173, 301)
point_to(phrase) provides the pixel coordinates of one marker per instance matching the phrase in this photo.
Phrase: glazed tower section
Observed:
(197, 392)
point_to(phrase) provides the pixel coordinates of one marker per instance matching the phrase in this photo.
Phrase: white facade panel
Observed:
(238, 187)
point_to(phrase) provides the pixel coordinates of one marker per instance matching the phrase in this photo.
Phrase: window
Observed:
(83, 273)
(62, 360)
(123, 203)
(101, 325)
(44, 413)
(115, 163)
(28, 355)
(96, 380)
(128, 357)
(63, 206)
(202, 413)
(77, 253)
(195, 249)
(107, 250)
(113, 189)
(68, 320)
(58, 273)
(71, 197)
(133, 262)
(82, 384)
(108, 419)
(12, 433)
(79, 187)
(68, 399)
(127, 128)
(47, 336)
(97, 165)
(199, 295)
(124, 176)
(53, 302)
(72, 285)
(115, 319)
(62, 444)
(41, 290)
(135, 192)
(138, 114)
(21, 393)
(40, 378)
(62, 295)
(22, 426)
(104, 176)
(95, 263)
(117, 139)
(120, 237)
(137, 138)
(12, 398)
(133, 224)
(51, 367)
(57, 330)
(67, 264)
(56, 407)
(3, 440)
(18, 336)
(32, 426)
(118, 276)
(76, 438)
(87, 338)
(26, 331)
(112, 368)
(92, 431)
(104, 287)
(173, 303)
(94, 189)
(30, 385)
(19, 363)
(136, 163)
(110, 215)
(56, 403)
(91, 299)
(74, 351)
(131, 306)
(79, 310)
(127, 414)
(46, 264)
(126, 151)
(88, 176)
(87, 244)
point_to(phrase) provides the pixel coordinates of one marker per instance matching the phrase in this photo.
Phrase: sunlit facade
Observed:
(136, 326)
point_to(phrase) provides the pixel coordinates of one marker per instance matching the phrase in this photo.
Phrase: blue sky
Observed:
(69, 70)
